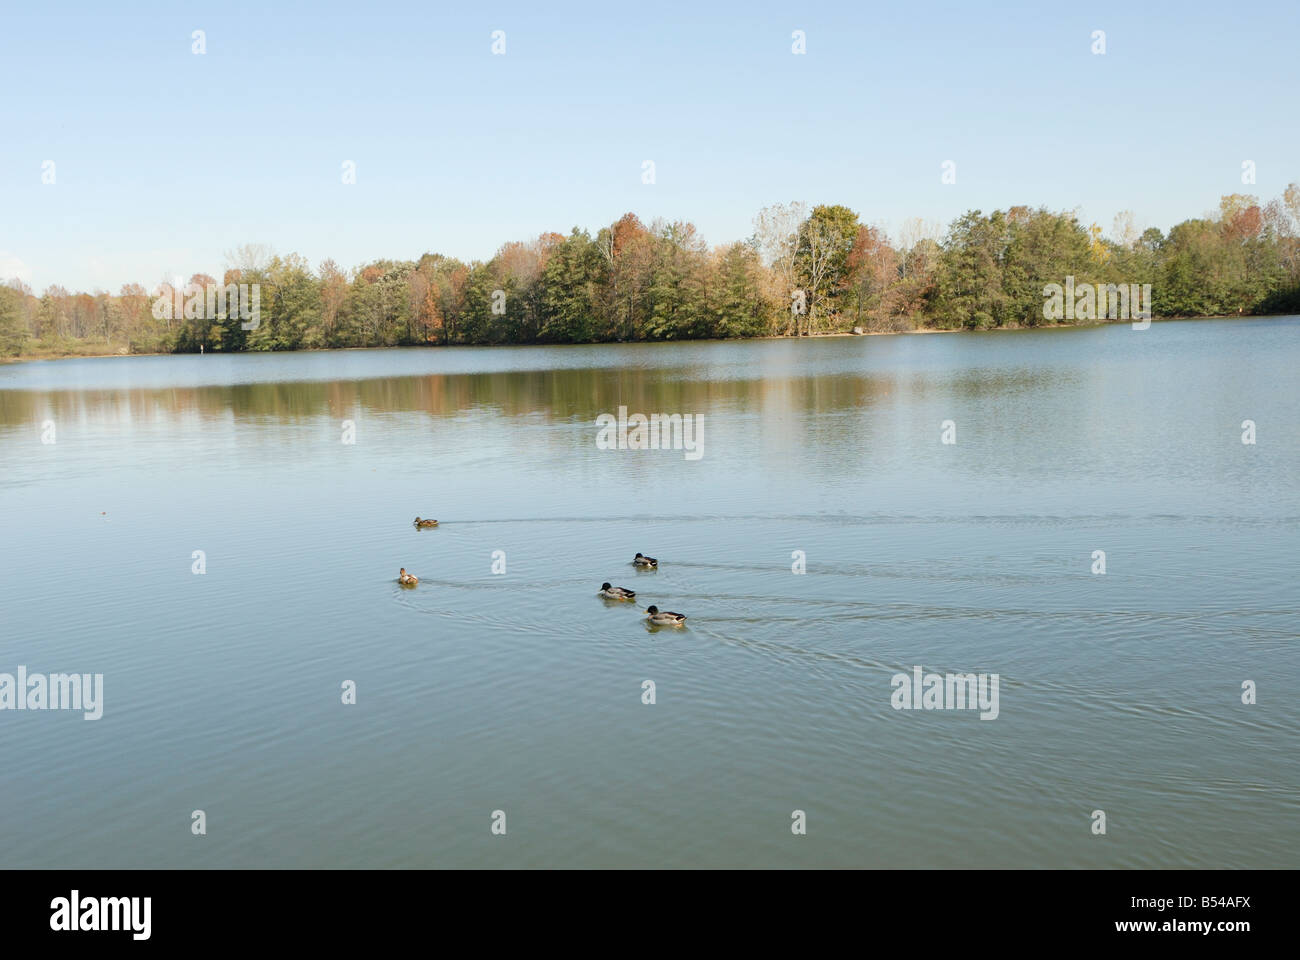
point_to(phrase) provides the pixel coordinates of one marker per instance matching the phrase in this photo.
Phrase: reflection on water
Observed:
(502, 681)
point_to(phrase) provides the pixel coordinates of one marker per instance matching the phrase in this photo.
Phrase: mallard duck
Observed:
(407, 579)
(640, 560)
(425, 523)
(616, 593)
(664, 617)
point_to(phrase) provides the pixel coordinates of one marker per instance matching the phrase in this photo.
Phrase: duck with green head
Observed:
(641, 560)
(664, 618)
(616, 593)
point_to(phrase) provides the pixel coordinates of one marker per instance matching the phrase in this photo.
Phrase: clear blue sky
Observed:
(164, 160)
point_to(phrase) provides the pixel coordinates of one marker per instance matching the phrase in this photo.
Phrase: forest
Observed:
(803, 271)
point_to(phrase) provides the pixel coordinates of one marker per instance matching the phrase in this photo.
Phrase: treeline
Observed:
(801, 272)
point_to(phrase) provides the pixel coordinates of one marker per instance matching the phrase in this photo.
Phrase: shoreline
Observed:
(920, 331)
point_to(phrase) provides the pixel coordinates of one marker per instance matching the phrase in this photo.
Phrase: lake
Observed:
(503, 684)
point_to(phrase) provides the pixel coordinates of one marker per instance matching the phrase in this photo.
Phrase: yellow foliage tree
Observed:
(1099, 251)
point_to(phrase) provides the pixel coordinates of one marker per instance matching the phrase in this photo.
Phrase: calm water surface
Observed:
(521, 692)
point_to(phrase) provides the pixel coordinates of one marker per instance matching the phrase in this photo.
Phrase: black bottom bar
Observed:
(918, 909)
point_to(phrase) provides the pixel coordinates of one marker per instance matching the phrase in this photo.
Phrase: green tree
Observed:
(824, 244)
(573, 271)
(737, 303)
(13, 331)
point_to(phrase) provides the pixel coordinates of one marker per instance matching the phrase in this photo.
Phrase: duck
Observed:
(664, 617)
(641, 560)
(425, 523)
(616, 593)
(407, 579)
